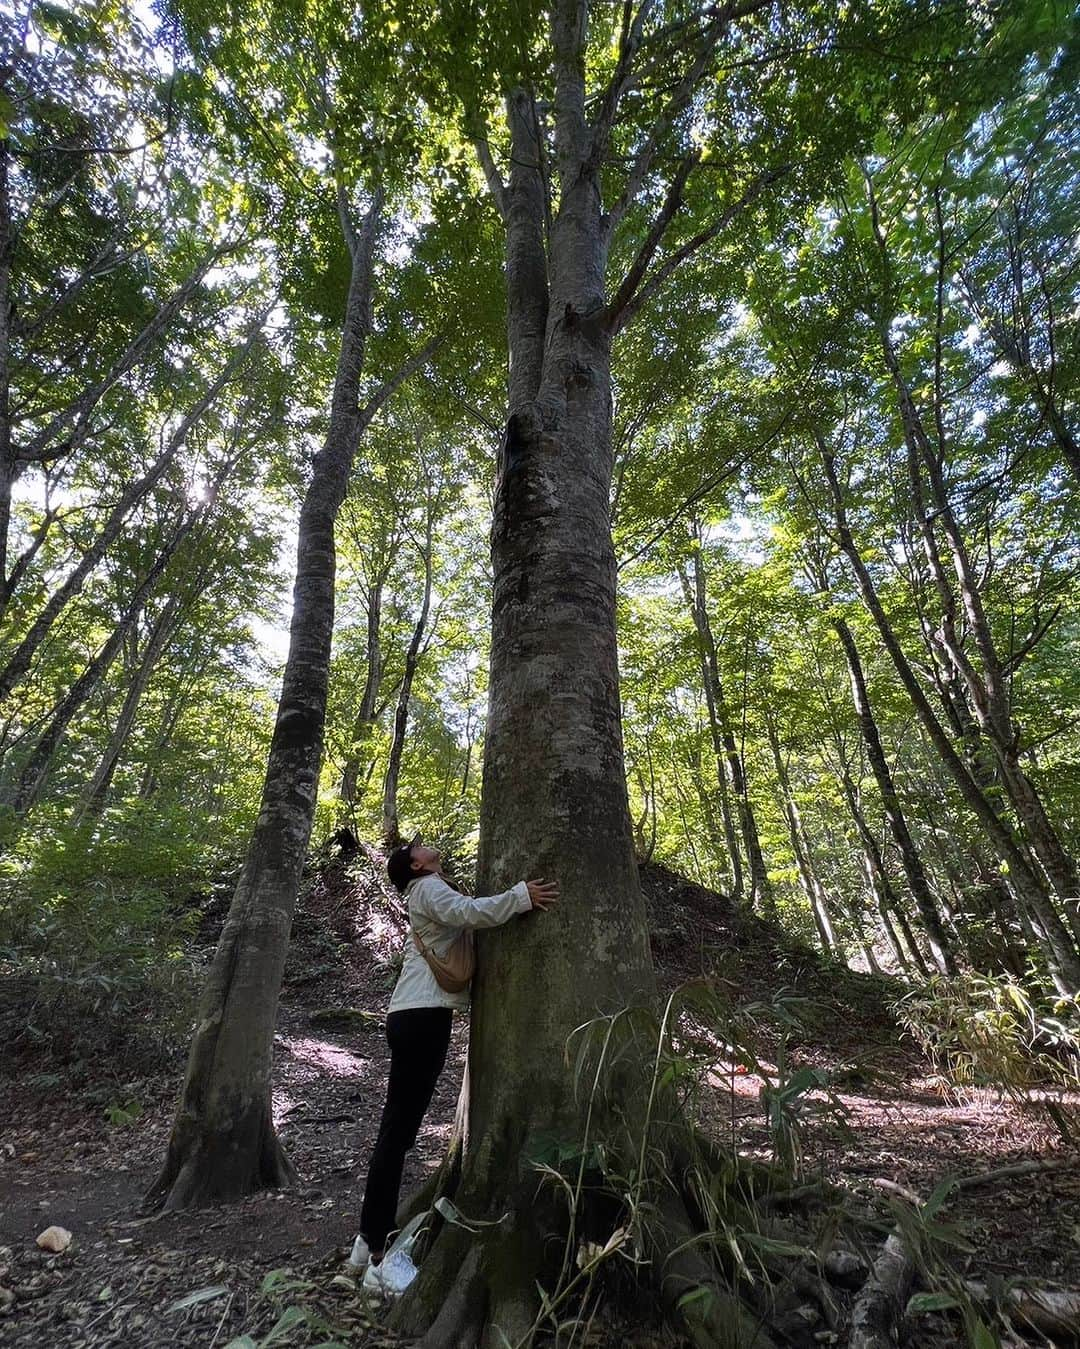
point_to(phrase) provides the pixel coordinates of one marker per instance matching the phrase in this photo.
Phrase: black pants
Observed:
(418, 1038)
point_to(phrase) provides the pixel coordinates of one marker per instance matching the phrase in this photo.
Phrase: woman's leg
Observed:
(419, 1038)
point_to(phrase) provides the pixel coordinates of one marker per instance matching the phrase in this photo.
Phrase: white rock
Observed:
(54, 1239)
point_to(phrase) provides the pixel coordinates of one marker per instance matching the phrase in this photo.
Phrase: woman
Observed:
(418, 1032)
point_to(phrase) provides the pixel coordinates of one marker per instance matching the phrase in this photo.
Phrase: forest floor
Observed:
(80, 1151)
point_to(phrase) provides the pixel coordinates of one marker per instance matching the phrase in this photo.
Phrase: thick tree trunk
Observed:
(554, 795)
(223, 1142)
(391, 832)
(940, 945)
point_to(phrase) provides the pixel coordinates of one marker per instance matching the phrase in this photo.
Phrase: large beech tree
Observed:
(602, 158)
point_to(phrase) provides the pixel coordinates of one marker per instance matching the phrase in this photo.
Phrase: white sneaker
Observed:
(391, 1276)
(360, 1254)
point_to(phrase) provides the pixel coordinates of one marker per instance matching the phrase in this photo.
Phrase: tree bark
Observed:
(554, 787)
(800, 846)
(1062, 958)
(223, 1142)
(97, 788)
(366, 714)
(940, 945)
(401, 715)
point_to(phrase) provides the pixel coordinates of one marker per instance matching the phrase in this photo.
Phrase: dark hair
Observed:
(399, 866)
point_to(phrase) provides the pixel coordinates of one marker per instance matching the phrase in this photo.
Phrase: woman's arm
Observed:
(434, 898)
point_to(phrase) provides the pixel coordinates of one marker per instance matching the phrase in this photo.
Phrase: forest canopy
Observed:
(844, 447)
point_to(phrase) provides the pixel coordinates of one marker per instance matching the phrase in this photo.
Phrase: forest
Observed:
(634, 442)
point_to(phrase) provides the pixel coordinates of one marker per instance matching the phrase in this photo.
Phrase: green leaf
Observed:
(982, 1337)
(694, 1295)
(200, 1295)
(930, 1302)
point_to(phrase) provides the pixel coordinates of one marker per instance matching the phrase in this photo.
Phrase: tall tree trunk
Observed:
(98, 787)
(724, 740)
(7, 462)
(1062, 958)
(940, 945)
(800, 846)
(710, 681)
(36, 769)
(110, 531)
(886, 900)
(985, 683)
(366, 714)
(391, 832)
(223, 1142)
(554, 791)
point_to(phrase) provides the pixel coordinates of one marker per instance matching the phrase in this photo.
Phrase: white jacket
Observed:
(438, 912)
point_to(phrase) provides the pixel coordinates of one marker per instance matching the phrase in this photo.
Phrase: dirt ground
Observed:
(207, 1277)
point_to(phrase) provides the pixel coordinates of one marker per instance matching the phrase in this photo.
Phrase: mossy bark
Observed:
(554, 794)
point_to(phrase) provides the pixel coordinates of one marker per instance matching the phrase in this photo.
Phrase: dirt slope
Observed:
(62, 1161)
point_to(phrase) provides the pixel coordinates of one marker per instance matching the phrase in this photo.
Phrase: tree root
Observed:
(714, 1318)
(1053, 1312)
(201, 1169)
(461, 1317)
(880, 1305)
(1030, 1168)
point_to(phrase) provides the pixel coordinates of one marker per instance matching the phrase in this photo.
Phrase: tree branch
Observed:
(635, 301)
(492, 176)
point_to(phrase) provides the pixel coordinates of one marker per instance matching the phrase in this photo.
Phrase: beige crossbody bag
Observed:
(453, 970)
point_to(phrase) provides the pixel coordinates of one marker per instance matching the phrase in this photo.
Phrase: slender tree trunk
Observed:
(761, 895)
(170, 718)
(886, 900)
(940, 945)
(1062, 957)
(391, 832)
(35, 770)
(223, 1142)
(366, 715)
(7, 462)
(985, 683)
(19, 663)
(98, 788)
(800, 846)
(710, 680)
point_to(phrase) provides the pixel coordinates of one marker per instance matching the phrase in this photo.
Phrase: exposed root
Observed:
(422, 1306)
(461, 1317)
(1053, 1312)
(1030, 1168)
(203, 1169)
(878, 1309)
(714, 1317)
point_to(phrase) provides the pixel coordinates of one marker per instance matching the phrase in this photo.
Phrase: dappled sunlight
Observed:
(322, 1056)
